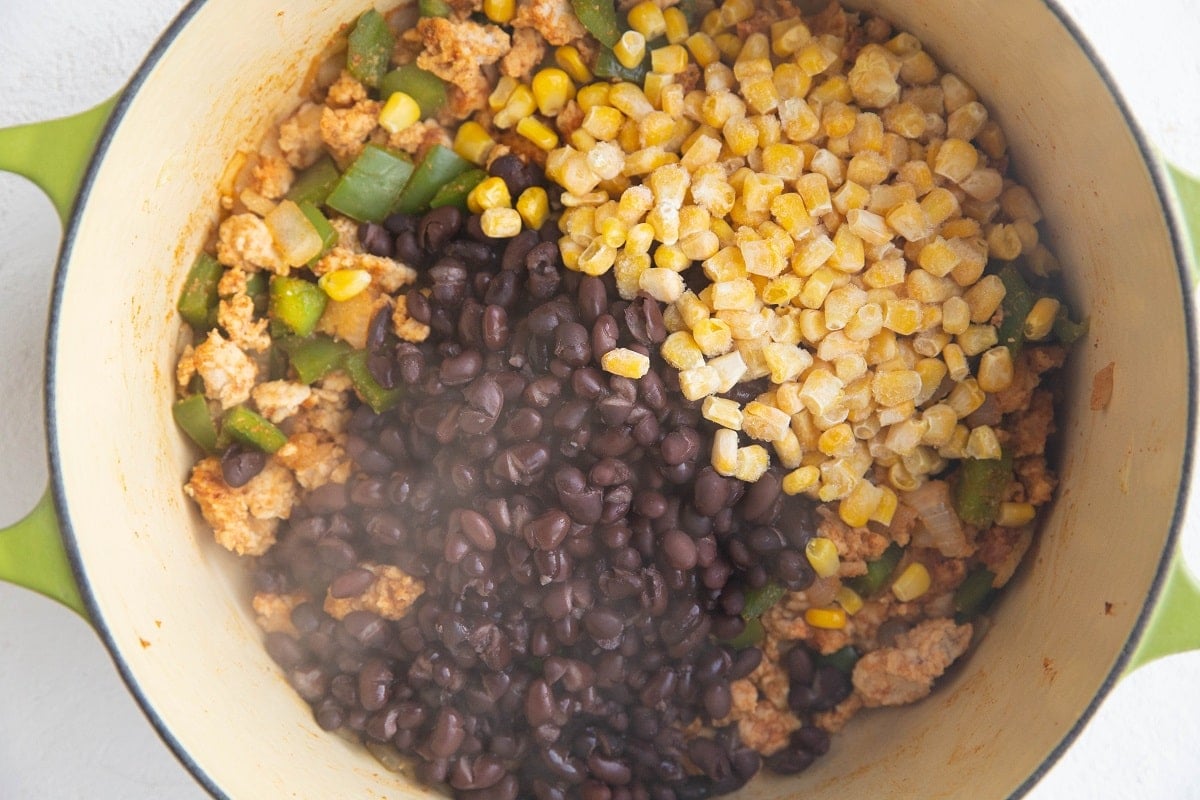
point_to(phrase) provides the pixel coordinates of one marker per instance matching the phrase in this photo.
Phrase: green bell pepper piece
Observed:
(599, 17)
(1067, 331)
(609, 68)
(369, 48)
(314, 358)
(434, 8)
(369, 188)
(329, 236)
(1018, 300)
(878, 571)
(842, 660)
(297, 304)
(252, 430)
(315, 183)
(751, 635)
(980, 487)
(439, 166)
(760, 599)
(191, 415)
(974, 594)
(421, 85)
(374, 395)
(198, 300)
(455, 192)
(257, 287)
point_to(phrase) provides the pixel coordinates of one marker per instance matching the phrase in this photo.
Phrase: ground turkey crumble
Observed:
(390, 595)
(244, 519)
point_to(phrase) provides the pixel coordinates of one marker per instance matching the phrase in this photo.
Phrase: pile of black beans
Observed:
(585, 570)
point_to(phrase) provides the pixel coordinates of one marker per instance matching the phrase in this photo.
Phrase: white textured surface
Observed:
(69, 728)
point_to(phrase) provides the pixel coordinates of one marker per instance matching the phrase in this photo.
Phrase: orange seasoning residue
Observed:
(1102, 387)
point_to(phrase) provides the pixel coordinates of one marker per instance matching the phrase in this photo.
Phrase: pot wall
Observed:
(171, 603)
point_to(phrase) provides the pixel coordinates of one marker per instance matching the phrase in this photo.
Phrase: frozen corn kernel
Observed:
(977, 338)
(681, 351)
(663, 285)
(731, 368)
(725, 452)
(570, 60)
(764, 422)
(995, 373)
(785, 361)
(722, 411)
(713, 336)
(982, 443)
(626, 363)
(857, 508)
(699, 382)
(965, 398)
(800, 480)
(500, 223)
(751, 463)
(538, 132)
(820, 391)
(822, 555)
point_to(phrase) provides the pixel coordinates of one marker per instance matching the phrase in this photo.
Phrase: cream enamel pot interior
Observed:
(171, 605)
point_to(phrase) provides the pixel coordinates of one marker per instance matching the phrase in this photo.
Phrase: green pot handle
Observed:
(54, 155)
(1174, 625)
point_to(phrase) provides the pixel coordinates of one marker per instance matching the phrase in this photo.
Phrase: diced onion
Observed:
(296, 238)
(941, 527)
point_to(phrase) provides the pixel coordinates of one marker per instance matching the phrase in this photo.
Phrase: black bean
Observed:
(495, 327)
(517, 249)
(811, 738)
(571, 344)
(376, 239)
(513, 171)
(745, 662)
(523, 425)
(351, 583)
(239, 464)
(679, 549)
(375, 686)
(643, 318)
(438, 227)
(712, 492)
(462, 368)
(542, 263)
(717, 700)
(789, 761)
(609, 770)
(547, 531)
(478, 530)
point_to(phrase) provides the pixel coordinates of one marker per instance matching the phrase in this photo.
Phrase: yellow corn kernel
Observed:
(676, 25)
(399, 112)
(1040, 319)
(533, 205)
(489, 193)
(342, 284)
(800, 480)
(626, 363)
(731, 368)
(913, 582)
(603, 121)
(538, 132)
(500, 223)
(764, 422)
(848, 599)
(956, 362)
(995, 373)
(656, 128)
(822, 554)
(502, 92)
(597, 258)
(857, 508)
(831, 618)
(1015, 515)
(738, 294)
(724, 452)
(782, 290)
(908, 219)
(500, 12)
(663, 285)
(955, 160)
(837, 440)
(751, 462)
(472, 142)
(703, 48)
(982, 443)
(956, 315)
(630, 49)
(965, 398)
(552, 89)
(691, 309)
(814, 57)
(647, 19)
(722, 411)
(977, 338)
(520, 104)
(713, 336)
(729, 44)
(592, 95)
(681, 351)
(671, 59)
(570, 60)
(887, 507)
(653, 87)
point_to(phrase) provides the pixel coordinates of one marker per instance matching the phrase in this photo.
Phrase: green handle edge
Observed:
(54, 155)
(1174, 624)
(32, 555)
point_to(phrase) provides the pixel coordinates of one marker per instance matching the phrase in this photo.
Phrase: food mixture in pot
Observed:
(613, 401)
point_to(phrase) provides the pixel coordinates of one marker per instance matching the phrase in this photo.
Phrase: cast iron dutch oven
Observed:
(1102, 591)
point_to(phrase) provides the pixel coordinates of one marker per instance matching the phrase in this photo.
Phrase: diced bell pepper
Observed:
(296, 303)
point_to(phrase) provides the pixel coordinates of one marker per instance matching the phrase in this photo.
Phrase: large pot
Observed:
(1102, 592)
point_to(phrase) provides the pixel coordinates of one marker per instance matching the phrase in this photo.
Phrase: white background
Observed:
(68, 727)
